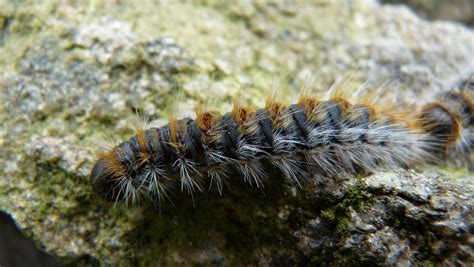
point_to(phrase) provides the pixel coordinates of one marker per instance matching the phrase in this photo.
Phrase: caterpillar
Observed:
(330, 136)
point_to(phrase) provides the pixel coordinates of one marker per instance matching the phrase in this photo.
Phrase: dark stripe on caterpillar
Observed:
(331, 137)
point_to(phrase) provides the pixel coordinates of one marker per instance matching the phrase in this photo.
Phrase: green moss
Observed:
(328, 214)
(454, 172)
(356, 197)
(424, 263)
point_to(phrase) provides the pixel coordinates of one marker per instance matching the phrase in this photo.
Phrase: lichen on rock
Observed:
(72, 74)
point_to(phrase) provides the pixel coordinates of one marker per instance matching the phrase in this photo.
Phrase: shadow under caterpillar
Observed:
(329, 137)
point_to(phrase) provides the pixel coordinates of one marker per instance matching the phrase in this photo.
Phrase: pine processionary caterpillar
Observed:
(329, 137)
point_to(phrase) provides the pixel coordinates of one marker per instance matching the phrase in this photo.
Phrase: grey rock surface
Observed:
(72, 74)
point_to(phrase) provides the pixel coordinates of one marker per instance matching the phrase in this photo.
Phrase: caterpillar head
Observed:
(105, 179)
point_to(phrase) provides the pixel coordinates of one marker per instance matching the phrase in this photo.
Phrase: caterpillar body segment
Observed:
(329, 137)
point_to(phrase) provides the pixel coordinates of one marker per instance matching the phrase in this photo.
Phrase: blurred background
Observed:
(457, 10)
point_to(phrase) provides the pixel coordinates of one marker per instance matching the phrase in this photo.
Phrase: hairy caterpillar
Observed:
(329, 137)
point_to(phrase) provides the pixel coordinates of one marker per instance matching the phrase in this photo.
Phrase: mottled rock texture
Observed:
(72, 74)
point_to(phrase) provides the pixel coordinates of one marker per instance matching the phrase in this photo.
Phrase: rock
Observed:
(457, 10)
(71, 76)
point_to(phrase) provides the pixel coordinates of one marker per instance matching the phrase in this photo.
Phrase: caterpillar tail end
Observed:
(439, 122)
(450, 125)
